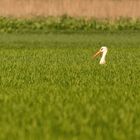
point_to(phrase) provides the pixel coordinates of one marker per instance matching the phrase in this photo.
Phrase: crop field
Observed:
(51, 88)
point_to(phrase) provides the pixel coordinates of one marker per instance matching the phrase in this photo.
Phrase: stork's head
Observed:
(102, 50)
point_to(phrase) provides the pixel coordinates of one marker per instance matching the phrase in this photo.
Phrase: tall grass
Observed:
(52, 89)
(65, 23)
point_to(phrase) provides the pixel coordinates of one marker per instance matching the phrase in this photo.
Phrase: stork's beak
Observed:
(97, 53)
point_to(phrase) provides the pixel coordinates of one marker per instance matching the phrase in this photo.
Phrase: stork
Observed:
(103, 50)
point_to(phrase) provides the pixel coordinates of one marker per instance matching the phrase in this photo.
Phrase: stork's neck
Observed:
(102, 61)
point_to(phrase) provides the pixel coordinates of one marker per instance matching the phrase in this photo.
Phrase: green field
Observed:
(51, 88)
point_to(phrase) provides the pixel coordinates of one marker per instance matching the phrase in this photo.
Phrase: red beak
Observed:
(97, 53)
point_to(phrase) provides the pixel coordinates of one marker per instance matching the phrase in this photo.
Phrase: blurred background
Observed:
(75, 8)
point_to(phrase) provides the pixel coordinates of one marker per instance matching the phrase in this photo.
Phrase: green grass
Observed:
(51, 88)
(66, 24)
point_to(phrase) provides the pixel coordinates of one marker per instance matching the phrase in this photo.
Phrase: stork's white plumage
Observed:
(102, 51)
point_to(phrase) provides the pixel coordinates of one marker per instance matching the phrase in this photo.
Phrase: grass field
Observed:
(51, 88)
